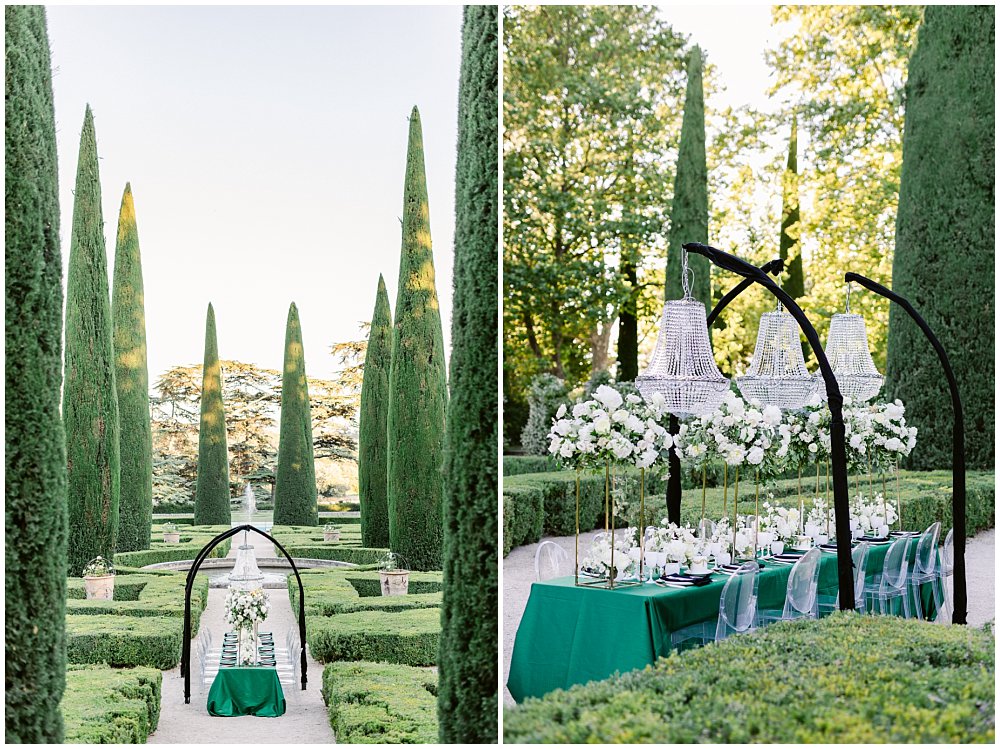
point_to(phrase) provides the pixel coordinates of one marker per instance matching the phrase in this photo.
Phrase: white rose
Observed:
(608, 397)
(602, 425)
(580, 409)
(561, 411)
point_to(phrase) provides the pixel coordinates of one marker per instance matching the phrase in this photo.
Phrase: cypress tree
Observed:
(295, 481)
(34, 441)
(90, 399)
(467, 694)
(211, 501)
(372, 443)
(790, 249)
(945, 237)
(132, 380)
(689, 211)
(418, 392)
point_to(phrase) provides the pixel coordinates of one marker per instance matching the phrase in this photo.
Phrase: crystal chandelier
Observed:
(777, 375)
(683, 369)
(849, 356)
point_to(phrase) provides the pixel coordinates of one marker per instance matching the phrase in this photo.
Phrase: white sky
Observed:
(266, 150)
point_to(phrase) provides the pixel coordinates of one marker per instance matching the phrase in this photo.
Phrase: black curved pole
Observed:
(189, 585)
(961, 603)
(674, 490)
(838, 450)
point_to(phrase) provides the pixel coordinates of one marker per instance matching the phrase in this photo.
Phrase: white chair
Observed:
(890, 583)
(800, 594)
(945, 569)
(925, 567)
(859, 558)
(737, 611)
(551, 560)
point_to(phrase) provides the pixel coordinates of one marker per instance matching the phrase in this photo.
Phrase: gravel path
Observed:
(519, 574)
(305, 720)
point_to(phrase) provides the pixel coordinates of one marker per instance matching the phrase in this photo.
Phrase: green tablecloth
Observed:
(571, 635)
(246, 691)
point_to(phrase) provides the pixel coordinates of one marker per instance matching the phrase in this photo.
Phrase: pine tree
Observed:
(790, 248)
(372, 444)
(689, 211)
(295, 481)
(90, 399)
(945, 236)
(418, 391)
(132, 380)
(211, 501)
(34, 441)
(467, 694)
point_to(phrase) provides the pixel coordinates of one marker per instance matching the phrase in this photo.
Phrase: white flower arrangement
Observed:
(244, 608)
(598, 558)
(779, 523)
(678, 543)
(872, 516)
(623, 430)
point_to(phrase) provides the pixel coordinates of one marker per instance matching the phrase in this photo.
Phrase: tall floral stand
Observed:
(610, 477)
(249, 645)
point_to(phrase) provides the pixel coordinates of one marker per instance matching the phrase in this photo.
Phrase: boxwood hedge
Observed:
(124, 640)
(110, 705)
(538, 503)
(142, 595)
(193, 539)
(409, 637)
(514, 465)
(843, 679)
(341, 591)
(381, 703)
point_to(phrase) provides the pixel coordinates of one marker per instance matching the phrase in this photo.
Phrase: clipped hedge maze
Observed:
(110, 705)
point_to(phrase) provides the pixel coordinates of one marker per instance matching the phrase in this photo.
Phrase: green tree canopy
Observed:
(90, 399)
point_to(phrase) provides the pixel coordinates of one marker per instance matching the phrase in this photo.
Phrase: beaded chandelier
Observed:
(777, 375)
(849, 356)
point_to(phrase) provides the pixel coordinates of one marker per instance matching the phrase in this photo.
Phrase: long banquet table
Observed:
(571, 635)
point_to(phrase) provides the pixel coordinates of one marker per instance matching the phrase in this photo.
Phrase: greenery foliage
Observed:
(789, 247)
(128, 312)
(843, 679)
(689, 211)
(546, 394)
(124, 640)
(381, 703)
(467, 700)
(418, 391)
(90, 400)
(111, 705)
(34, 441)
(295, 483)
(514, 465)
(211, 503)
(372, 436)
(409, 637)
(945, 235)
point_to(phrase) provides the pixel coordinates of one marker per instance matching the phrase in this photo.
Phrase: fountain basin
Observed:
(275, 570)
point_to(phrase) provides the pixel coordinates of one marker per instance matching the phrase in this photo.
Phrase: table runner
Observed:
(571, 635)
(246, 691)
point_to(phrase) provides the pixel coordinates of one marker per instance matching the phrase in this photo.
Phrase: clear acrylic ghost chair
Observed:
(859, 558)
(706, 528)
(551, 560)
(890, 583)
(737, 611)
(945, 569)
(800, 595)
(924, 569)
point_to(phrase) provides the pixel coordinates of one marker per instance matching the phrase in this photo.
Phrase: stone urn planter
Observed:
(170, 534)
(99, 580)
(331, 534)
(394, 582)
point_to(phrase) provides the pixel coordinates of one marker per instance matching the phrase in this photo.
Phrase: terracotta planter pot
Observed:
(100, 587)
(394, 582)
(172, 538)
(331, 535)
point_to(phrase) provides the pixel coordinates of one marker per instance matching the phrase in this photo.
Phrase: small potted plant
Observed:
(99, 579)
(331, 532)
(170, 534)
(395, 581)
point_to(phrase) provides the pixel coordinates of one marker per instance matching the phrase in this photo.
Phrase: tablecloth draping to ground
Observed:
(246, 691)
(571, 635)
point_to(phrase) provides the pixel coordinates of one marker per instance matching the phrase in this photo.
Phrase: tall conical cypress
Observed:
(689, 211)
(418, 393)
(372, 439)
(132, 380)
(295, 480)
(467, 692)
(790, 248)
(211, 501)
(34, 441)
(90, 399)
(945, 235)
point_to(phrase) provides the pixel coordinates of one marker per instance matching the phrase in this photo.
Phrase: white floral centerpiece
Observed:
(245, 609)
(781, 524)
(872, 516)
(598, 562)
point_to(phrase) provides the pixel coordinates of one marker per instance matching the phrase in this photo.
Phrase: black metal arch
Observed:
(835, 401)
(201, 557)
(961, 602)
